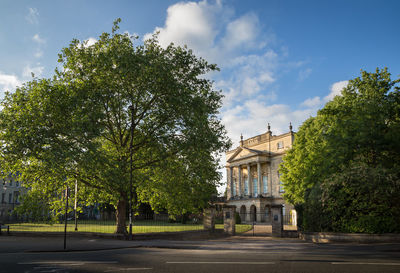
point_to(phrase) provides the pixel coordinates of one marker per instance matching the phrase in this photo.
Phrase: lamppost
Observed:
(76, 205)
(66, 214)
(130, 176)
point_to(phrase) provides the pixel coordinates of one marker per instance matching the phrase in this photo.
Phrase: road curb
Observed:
(362, 238)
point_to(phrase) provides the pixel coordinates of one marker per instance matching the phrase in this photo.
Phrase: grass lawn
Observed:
(109, 227)
(239, 228)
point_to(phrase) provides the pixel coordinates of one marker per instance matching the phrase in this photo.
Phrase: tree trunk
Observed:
(121, 217)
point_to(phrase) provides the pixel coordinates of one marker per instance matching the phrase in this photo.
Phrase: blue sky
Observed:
(280, 61)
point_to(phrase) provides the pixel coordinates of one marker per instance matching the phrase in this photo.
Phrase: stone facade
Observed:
(10, 191)
(253, 183)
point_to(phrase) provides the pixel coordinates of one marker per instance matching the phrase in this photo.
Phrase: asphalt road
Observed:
(223, 255)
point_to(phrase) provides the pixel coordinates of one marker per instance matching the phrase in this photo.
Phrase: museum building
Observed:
(253, 179)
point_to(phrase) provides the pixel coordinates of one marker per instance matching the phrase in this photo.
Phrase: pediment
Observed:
(243, 152)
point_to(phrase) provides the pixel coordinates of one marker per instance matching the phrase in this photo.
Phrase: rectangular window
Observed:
(281, 189)
(234, 187)
(16, 196)
(255, 186)
(246, 186)
(3, 198)
(280, 145)
(265, 183)
(10, 198)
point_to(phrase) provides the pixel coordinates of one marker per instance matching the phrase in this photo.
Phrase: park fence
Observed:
(262, 223)
(151, 223)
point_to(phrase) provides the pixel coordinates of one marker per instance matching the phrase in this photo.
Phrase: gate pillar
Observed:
(229, 219)
(277, 221)
(209, 219)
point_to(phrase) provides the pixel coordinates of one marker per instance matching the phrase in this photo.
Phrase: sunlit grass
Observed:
(109, 227)
(105, 227)
(240, 228)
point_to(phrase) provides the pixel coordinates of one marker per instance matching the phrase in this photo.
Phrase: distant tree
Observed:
(353, 135)
(112, 102)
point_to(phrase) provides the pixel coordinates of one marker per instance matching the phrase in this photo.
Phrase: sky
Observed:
(280, 61)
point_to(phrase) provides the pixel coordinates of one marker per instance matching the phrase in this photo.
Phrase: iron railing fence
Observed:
(141, 224)
(262, 218)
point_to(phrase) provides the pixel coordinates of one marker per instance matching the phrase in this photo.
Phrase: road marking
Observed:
(220, 262)
(129, 269)
(71, 262)
(362, 263)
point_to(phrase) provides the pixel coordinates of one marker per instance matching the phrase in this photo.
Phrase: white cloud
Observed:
(38, 53)
(312, 102)
(90, 41)
(33, 16)
(317, 102)
(241, 32)
(234, 43)
(37, 71)
(191, 24)
(251, 118)
(8, 83)
(336, 89)
(36, 38)
(304, 74)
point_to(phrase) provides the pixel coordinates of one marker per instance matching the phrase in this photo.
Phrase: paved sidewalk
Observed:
(15, 244)
(18, 244)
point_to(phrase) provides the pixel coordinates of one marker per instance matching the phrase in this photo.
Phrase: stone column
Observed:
(240, 180)
(270, 178)
(259, 177)
(231, 179)
(277, 221)
(229, 189)
(229, 220)
(249, 180)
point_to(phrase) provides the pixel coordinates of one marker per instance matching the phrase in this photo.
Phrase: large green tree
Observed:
(335, 172)
(114, 109)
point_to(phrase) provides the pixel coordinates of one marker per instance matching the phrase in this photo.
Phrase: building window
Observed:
(10, 198)
(3, 198)
(281, 189)
(265, 183)
(280, 145)
(246, 186)
(267, 213)
(16, 196)
(234, 187)
(283, 210)
(17, 184)
(255, 186)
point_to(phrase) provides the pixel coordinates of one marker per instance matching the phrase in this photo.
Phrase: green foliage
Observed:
(113, 101)
(363, 199)
(333, 174)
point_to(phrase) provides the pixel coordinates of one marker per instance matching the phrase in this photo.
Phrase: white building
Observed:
(10, 190)
(253, 179)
